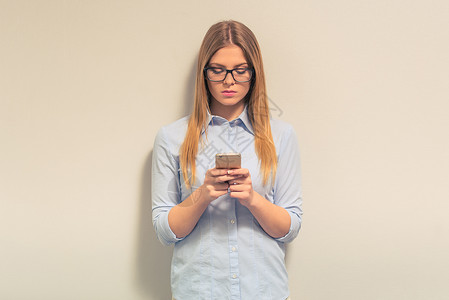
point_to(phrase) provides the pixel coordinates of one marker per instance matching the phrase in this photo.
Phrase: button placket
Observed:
(233, 253)
(232, 137)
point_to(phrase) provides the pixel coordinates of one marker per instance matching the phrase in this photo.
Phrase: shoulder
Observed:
(173, 134)
(281, 129)
(284, 135)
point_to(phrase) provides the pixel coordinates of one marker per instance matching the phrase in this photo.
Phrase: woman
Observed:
(229, 226)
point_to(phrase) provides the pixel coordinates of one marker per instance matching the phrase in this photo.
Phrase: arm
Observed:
(184, 216)
(274, 219)
(281, 219)
(173, 219)
(287, 186)
(165, 187)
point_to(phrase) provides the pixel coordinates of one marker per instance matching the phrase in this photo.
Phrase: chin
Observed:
(229, 102)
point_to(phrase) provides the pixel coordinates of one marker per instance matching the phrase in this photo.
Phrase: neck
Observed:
(229, 112)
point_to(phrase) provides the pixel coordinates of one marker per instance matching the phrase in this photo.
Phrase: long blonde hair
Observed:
(218, 36)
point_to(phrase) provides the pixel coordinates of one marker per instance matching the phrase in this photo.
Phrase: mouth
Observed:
(228, 93)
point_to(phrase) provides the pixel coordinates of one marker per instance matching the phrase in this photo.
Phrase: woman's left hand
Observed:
(275, 220)
(241, 186)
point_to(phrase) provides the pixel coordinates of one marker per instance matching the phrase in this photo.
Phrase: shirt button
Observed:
(234, 276)
(232, 221)
(233, 249)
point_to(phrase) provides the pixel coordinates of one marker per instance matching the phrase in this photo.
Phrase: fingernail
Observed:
(229, 172)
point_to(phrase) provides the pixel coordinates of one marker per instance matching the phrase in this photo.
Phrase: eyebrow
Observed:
(220, 65)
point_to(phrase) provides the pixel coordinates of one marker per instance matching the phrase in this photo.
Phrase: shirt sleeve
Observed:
(287, 187)
(165, 188)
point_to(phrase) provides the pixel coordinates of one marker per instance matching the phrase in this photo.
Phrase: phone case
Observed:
(228, 160)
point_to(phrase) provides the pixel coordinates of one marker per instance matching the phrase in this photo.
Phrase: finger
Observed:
(238, 188)
(217, 172)
(224, 178)
(221, 186)
(235, 181)
(219, 193)
(241, 172)
(238, 195)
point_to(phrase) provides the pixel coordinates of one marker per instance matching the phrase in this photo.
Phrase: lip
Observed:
(228, 93)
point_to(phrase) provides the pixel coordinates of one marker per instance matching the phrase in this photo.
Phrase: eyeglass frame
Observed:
(227, 72)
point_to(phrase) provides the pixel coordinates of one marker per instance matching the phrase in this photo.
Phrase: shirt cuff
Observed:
(164, 232)
(295, 225)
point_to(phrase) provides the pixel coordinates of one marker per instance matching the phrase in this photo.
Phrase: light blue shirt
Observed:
(227, 255)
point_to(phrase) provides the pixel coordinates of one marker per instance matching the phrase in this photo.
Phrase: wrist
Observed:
(202, 194)
(196, 198)
(254, 201)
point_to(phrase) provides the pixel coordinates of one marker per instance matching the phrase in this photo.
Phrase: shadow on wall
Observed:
(189, 90)
(153, 260)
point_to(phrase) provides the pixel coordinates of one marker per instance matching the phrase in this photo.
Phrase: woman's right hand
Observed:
(183, 217)
(215, 184)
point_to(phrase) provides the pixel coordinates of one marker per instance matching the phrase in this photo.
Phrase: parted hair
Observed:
(220, 35)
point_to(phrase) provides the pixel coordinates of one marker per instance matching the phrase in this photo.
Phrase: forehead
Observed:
(228, 56)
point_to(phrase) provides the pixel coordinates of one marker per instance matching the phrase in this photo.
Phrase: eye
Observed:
(241, 71)
(216, 70)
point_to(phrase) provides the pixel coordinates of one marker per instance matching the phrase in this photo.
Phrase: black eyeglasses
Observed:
(219, 74)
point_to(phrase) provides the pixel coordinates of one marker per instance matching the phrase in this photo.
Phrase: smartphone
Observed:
(228, 160)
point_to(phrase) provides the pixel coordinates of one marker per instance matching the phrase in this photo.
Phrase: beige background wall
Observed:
(85, 85)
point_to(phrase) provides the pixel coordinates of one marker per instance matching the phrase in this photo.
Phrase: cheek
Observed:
(212, 88)
(246, 89)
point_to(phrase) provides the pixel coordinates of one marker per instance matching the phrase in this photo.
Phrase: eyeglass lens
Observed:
(219, 74)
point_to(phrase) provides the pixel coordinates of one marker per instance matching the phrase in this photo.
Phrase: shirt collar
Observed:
(243, 117)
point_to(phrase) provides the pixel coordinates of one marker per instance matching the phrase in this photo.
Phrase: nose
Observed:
(229, 80)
